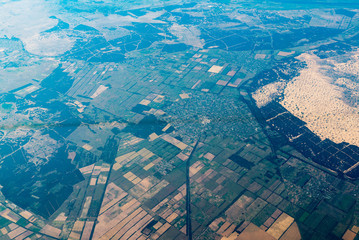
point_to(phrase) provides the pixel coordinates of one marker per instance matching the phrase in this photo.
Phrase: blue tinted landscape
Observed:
(179, 119)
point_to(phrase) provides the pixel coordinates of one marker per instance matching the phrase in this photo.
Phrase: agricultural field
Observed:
(148, 119)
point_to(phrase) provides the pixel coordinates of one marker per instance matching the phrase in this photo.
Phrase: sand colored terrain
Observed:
(280, 225)
(351, 66)
(252, 232)
(313, 98)
(268, 93)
